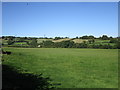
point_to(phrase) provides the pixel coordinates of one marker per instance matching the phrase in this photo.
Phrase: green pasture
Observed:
(4, 42)
(98, 41)
(20, 43)
(103, 42)
(72, 68)
(41, 40)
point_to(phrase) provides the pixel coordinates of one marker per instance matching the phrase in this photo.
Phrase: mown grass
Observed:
(19, 43)
(103, 42)
(72, 68)
(41, 40)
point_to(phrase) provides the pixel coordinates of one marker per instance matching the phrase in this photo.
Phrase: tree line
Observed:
(32, 42)
(71, 44)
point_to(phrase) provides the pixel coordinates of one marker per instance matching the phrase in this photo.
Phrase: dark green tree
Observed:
(91, 37)
(48, 44)
(33, 43)
(113, 40)
(10, 42)
(105, 37)
(76, 37)
(56, 38)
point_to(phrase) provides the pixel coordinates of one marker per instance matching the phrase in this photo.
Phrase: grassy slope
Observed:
(75, 68)
(79, 40)
(97, 41)
(60, 40)
(19, 43)
(41, 40)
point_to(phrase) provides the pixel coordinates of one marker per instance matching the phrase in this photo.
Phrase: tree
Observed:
(83, 45)
(10, 42)
(87, 37)
(66, 44)
(33, 43)
(9, 38)
(91, 37)
(56, 38)
(113, 40)
(76, 37)
(84, 37)
(47, 43)
(91, 41)
(110, 37)
(66, 37)
(105, 37)
(84, 42)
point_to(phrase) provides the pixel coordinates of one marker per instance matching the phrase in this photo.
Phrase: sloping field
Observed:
(60, 40)
(20, 43)
(72, 68)
(102, 41)
(79, 40)
(4, 41)
(41, 40)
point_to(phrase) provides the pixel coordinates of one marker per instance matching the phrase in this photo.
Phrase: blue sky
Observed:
(63, 19)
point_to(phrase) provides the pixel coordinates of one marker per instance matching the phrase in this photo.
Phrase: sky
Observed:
(64, 19)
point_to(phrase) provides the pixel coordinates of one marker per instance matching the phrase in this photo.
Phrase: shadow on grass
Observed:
(12, 79)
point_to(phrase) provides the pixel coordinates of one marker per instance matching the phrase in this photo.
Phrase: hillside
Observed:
(81, 42)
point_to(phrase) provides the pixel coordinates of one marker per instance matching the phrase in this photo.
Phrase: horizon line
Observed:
(60, 36)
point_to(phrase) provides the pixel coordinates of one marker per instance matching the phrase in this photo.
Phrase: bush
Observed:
(105, 37)
(33, 43)
(113, 40)
(47, 44)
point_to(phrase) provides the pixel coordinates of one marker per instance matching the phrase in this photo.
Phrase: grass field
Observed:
(73, 68)
(79, 40)
(20, 43)
(41, 40)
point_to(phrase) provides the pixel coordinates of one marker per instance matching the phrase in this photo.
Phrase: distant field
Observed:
(20, 43)
(41, 40)
(60, 40)
(4, 41)
(26, 43)
(103, 42)
(73, 68)
(97, 41)
(79, 40)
